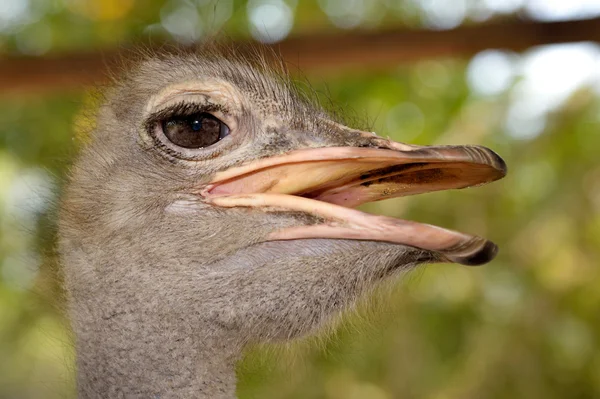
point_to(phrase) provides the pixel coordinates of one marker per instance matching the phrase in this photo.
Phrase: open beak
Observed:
(327, 182)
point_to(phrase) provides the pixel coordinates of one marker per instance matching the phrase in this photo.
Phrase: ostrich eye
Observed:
(195, 131)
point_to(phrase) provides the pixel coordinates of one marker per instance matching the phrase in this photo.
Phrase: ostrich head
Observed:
(212, 207)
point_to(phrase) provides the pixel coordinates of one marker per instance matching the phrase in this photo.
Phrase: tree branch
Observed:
(319, 52)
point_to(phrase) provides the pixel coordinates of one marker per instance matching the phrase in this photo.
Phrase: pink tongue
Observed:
(345, 223)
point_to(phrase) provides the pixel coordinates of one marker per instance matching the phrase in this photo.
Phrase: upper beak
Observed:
(325, 181)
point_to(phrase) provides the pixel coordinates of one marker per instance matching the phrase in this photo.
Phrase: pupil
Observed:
(196, 125)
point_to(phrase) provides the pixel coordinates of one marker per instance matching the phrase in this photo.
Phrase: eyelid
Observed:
(182, 109)
(153, 129)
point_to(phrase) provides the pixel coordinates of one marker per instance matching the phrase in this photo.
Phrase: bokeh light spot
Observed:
(491, 72)
(35, 40)
(433, 74)
(549, 75)
(345, 15)
(13, 13)
(270, 21)
(560, 10)
(441, 14)
(503, 6)
(182, 22)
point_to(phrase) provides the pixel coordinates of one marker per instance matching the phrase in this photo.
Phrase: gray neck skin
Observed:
(121, 360)
(168, 333)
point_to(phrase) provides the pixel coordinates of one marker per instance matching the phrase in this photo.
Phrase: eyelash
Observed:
(179, 110)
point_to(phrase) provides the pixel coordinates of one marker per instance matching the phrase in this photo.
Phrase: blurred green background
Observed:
(526, 325)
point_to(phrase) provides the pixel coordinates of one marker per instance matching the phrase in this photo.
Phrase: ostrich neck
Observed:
(136, 355)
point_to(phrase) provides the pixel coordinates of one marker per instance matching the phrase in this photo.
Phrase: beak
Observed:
(326, 182)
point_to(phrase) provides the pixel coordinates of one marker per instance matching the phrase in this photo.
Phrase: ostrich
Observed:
(212, 207)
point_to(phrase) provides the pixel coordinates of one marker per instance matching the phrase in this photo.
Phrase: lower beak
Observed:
(325, 182)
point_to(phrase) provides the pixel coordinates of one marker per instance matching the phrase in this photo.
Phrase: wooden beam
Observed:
(319, 52)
